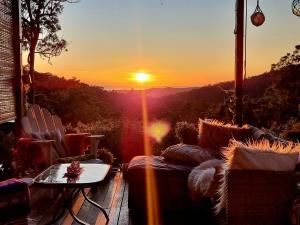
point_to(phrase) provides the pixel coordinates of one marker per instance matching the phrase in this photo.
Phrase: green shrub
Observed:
(186, 133)
(105, 155)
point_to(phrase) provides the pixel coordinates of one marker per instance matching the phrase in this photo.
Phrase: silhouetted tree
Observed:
(40, 27)
(288, 59)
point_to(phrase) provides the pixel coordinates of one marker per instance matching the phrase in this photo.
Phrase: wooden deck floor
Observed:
(112, 194)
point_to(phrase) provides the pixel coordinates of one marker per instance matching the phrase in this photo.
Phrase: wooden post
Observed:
(18, 87)
(239, 60)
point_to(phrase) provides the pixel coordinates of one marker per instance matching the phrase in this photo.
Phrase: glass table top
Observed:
(90, 174)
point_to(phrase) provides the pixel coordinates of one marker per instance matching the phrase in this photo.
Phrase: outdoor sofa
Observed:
(250, 196)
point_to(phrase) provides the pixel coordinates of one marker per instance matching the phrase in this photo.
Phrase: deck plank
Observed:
(115, 208)
(112, 201)
(99, 197)
(124, 217)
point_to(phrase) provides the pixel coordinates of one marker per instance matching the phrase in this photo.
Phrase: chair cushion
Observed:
(36, 135)
(188, 154)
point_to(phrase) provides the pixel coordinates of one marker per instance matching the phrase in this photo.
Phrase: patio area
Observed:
(112, 194)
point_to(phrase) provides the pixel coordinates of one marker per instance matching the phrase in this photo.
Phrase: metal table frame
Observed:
(69, 192)
(68, 199)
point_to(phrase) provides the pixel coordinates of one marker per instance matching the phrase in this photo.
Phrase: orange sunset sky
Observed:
(180, 42)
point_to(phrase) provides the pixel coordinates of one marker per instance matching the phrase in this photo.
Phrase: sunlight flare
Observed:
(153, 215)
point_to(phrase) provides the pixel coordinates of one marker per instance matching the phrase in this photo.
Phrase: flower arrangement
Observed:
(74, 169)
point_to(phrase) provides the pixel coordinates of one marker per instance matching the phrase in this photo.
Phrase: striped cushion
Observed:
(14, 199)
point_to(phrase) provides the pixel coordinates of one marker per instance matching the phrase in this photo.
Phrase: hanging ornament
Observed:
(258, 17)
(296, 7)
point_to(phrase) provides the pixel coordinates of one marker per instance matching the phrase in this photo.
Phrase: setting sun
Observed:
(142, 77)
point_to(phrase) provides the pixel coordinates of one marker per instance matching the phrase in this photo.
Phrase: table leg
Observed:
(75, 217)
(62, 209)
(68, 203)
(68, 200)
(57, 215)
(95, 204)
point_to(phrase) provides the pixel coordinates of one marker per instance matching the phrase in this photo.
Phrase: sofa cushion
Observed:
(257, 156)
(204, 180)
(258, 134)
(261, 155)
(138, 164)
(215, 134)
(255, 133)
(170, 179)
(188, 154)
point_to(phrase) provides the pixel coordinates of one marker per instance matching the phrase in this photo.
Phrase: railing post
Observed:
(239, 60)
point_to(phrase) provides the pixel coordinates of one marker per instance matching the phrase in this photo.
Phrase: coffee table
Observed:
(54, 176)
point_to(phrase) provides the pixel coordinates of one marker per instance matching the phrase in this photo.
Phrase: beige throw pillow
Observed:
(215, 134)
(261, 155)
(188, 154)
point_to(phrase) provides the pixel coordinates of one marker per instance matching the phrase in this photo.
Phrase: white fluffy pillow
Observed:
(188, 154)
(204, 180)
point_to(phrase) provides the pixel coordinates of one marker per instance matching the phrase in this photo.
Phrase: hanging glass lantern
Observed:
(296, 7)
(258, 17)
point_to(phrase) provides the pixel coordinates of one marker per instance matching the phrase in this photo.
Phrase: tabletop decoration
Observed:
(73, 170)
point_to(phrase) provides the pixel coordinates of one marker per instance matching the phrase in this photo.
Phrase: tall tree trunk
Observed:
(31, 58)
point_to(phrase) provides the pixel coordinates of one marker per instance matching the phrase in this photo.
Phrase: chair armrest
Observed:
(77, 135)
(75, 158)
(46, 147)
(42, 142)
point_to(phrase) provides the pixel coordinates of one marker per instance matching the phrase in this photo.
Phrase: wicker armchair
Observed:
(259, 197)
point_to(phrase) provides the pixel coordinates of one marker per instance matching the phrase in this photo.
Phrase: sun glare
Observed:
(142, 77)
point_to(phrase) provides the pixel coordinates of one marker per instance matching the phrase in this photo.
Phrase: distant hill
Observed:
(161, 92)
(254, 86)
(74, 100)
